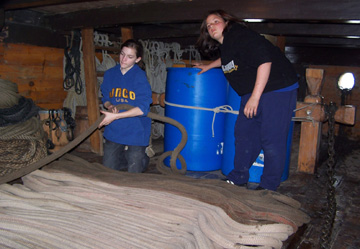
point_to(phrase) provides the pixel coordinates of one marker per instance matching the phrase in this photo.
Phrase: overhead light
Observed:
(346, 81)
(353, 21)
(253, 20)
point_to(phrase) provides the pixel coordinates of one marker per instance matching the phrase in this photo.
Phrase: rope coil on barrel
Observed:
(216, 110)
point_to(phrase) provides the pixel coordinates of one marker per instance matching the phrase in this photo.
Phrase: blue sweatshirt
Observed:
(133, 89)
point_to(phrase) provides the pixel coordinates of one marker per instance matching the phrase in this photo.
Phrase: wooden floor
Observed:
(311, 192)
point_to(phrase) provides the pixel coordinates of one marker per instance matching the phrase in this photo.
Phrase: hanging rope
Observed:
(72, 64)
(193, 53)
(158, 56)
(107, 62)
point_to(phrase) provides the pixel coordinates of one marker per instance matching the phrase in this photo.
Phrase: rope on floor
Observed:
(109, 216)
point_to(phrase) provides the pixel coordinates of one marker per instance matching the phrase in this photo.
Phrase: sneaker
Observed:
(259, 188)
(231, 182)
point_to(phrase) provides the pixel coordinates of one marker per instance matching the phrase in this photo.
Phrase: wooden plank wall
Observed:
(38, 72)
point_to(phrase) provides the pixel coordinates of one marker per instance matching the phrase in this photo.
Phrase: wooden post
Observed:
(126, 33)
(309, 143)
(280, 42)
(311, 131)
(91, 86)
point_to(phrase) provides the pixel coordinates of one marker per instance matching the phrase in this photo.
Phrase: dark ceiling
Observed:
(324, 24)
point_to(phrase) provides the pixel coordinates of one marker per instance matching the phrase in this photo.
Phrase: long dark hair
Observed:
(131, 43)
(208, 46)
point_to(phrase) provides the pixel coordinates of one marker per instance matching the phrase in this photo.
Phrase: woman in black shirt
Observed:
(267, 83)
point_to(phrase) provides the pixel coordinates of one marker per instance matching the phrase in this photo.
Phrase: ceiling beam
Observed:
(317, 34)
(166, 30)
(322, 42)
(307, 29)
(278, 29)
(24, 4)
(193, 11)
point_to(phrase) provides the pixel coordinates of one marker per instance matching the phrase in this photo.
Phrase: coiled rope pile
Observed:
(112, 209)
(22, 139)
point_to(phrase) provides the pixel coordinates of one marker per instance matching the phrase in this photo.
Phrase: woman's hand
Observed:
(203, 67)
(109, 117)
(251, 107)
(262, 77)
(114, 114)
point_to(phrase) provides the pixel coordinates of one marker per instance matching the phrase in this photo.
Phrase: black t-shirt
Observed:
(243, 51)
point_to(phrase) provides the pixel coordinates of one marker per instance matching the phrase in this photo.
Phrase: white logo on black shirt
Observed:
(228, 68)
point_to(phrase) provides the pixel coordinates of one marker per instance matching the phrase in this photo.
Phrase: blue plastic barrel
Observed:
(187, 95)
(256, 170)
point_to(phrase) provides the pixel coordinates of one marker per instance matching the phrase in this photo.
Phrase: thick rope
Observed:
(24, 110)
(8, 94)
(160, 165)
(30, 130)
(48, 203)
(22, 139)
(216, 110)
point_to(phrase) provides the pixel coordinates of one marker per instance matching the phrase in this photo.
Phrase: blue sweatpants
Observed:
(268, 131)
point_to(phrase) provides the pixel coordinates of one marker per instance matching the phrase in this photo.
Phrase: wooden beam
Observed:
(309, 147)
(323, 55)
(22, 4)
(91, 86)
(126, 33)
(346, 115)
(193, 11)
(311, 131)
(320, 29)
(322, 41)
(2, 18)
(158, 31)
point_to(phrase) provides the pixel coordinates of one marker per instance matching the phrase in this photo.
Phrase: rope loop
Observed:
(216, 110)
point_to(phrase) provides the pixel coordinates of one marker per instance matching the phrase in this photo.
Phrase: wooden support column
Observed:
(91, 87)
(126, 33)
(311, 131)
(309, 143)
(280, 42)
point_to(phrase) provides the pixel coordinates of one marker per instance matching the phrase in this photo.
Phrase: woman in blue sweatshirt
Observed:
(127, 133)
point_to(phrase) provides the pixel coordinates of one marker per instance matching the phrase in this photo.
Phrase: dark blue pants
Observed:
(119, 157)
(268, 131)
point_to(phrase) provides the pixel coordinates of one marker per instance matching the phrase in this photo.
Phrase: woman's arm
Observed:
(114, 115)
(262, 78)
(204, 68)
